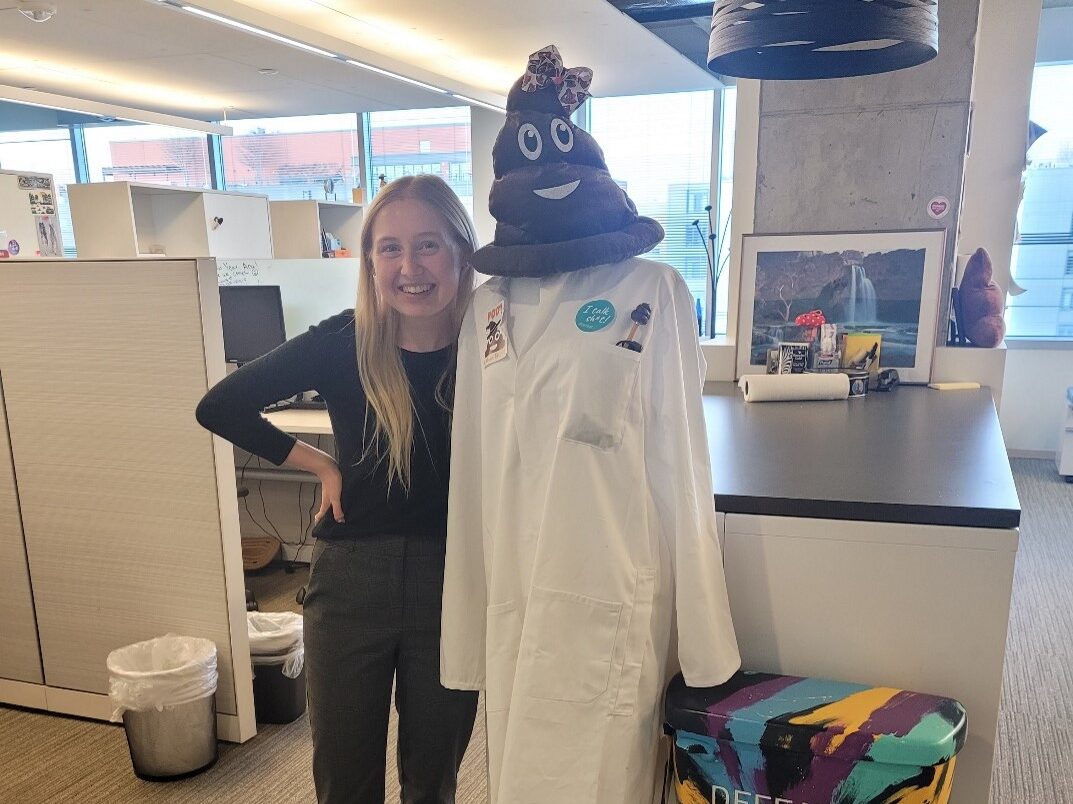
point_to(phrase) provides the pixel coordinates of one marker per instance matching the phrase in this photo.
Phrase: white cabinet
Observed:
(127, 219)
(297, 226)
(919, 607)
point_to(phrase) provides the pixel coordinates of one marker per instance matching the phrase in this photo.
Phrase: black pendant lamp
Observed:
(803, 39)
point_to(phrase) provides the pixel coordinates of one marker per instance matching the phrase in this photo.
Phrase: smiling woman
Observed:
(372, 609)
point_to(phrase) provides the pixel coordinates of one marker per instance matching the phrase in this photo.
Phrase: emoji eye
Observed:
(529, 141)
(562, 135)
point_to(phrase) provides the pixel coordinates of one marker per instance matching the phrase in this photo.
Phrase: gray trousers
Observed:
(372, 615)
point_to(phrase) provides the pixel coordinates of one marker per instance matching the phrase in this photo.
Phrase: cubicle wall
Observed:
(20, 657)
(128, 507)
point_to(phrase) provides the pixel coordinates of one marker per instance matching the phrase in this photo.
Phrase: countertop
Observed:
(914, 455)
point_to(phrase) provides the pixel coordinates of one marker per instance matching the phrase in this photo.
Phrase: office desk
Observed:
(872, 540)
(296, 422)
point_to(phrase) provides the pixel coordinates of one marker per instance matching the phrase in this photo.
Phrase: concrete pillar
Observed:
(484, 127)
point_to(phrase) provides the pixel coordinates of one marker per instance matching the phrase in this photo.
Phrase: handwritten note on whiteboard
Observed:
(238, 272)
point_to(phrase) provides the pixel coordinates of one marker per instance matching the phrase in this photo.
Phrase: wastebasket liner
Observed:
(165, 671)
(292, 662)
(274, 632)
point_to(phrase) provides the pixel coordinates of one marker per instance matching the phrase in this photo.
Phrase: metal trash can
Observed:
(176, 742)
(769, 738)
(277, 653)
(163, 690)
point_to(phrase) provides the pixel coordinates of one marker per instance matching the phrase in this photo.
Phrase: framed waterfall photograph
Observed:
(885, 283)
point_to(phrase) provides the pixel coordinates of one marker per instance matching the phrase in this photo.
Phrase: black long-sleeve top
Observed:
(324, 359)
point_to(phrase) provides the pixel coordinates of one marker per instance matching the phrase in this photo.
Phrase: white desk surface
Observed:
(314, 422)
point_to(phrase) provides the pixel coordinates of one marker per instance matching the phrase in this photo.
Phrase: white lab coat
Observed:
(580, 525)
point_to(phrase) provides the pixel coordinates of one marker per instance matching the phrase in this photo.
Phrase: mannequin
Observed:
(581, 529)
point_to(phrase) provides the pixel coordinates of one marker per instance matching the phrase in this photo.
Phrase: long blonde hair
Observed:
(380, 366)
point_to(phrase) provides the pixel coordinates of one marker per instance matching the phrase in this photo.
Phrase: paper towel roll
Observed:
(794, 387)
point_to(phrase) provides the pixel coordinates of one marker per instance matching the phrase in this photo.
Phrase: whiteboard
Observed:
(312, 290)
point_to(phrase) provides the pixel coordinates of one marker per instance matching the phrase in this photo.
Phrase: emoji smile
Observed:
(558, 192)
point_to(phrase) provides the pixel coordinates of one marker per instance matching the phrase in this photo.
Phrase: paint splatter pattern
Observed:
(772, 739)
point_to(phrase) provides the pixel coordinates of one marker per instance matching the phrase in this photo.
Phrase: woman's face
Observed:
(416, 264)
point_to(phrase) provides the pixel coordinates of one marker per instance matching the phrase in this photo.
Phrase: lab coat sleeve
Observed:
(679, 468)
(462, 640)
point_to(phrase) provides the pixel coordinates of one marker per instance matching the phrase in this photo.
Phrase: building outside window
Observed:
(1042, 254)
(405, 143)
(151, 154)
(659, 150)
(44, 151)
(294, 158)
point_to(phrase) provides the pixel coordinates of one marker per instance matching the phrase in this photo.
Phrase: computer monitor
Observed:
(252, 320)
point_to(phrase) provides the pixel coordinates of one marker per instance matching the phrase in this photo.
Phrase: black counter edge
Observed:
(1001, 518)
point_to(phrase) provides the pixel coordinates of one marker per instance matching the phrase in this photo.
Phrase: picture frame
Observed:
(784, 275)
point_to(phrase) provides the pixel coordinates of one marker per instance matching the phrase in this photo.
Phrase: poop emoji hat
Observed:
(557, 209)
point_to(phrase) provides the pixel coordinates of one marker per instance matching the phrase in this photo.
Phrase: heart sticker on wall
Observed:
(938, 207)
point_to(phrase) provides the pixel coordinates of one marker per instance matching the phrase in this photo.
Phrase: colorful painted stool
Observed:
(762, 738)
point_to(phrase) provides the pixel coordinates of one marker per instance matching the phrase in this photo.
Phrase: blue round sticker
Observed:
(13, 247)
(595, 315)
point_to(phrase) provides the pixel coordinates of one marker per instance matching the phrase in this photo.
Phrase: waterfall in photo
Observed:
(862, 297)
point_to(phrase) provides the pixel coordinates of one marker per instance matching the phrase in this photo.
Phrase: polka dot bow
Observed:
(546, 65)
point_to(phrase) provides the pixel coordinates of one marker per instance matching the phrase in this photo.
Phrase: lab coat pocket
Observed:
(573, 645)
(504, 630)
(602, 380)
(638, 633)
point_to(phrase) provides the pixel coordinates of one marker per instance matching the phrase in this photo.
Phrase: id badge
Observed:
(495, 347)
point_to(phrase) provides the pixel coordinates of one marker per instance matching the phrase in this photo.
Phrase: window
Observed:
(44, 151)
(1042, 254)
(405, 143)
(659, 148)
(153, 154)
(727, 121)
(288, 158)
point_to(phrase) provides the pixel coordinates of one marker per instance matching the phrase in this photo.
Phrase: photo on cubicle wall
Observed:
(876, 282)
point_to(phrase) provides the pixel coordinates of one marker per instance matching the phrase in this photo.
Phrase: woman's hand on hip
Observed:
(331, 491)
(310, 459)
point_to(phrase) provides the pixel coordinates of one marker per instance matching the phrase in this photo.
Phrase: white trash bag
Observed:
(165, 671)
(276, 638)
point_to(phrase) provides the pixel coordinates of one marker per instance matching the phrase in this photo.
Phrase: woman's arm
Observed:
(232, 408)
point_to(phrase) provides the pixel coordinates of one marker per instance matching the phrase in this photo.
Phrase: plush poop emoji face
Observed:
(551, 179)
(556, 206)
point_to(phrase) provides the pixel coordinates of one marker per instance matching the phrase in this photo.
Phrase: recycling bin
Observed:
(277, 653)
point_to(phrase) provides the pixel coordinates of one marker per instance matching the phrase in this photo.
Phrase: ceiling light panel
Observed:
(395, 36)
(20, 69)
(344, 26)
